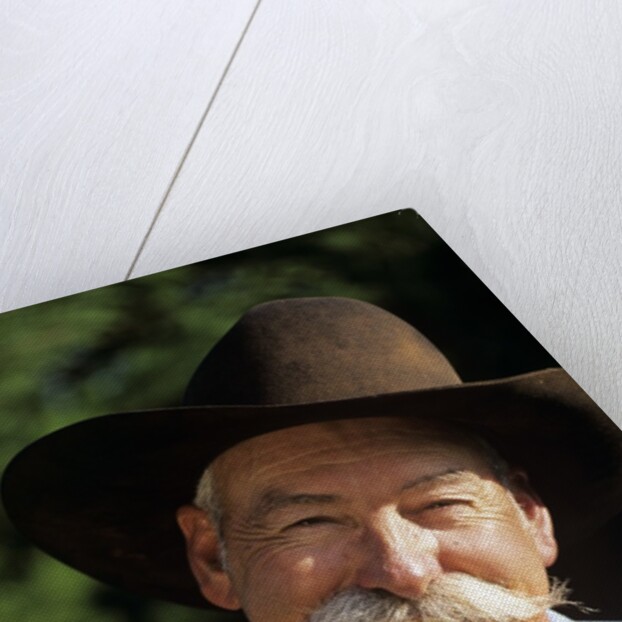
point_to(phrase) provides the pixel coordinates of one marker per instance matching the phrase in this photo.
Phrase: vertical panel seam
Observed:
(191, 143)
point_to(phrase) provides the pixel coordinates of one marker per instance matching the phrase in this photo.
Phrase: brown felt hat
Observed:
(101, 495)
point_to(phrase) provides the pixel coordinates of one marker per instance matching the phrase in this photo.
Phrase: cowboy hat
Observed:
(101, 495)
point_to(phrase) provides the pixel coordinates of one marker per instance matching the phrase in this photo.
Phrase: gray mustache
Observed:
(455, 597)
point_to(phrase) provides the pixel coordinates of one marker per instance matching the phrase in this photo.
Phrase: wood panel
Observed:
(499, 121)
(98, 102)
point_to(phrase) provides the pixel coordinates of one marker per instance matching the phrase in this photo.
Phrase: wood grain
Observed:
(98, 102)
(499, 122)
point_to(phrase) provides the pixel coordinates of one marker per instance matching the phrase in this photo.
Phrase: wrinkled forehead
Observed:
(312, 448)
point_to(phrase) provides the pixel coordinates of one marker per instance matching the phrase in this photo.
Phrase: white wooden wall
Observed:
(139, 136)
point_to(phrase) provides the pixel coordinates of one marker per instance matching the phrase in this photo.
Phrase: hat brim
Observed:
(101, 495)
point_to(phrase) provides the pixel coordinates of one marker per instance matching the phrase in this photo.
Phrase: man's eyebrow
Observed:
(449, 474)
(277, 499)
(273, 500)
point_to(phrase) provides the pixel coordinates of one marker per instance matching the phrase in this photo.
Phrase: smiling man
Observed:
(329, 465)
(372, 519)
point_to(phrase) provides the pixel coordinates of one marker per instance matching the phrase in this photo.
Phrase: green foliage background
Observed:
(134, 345)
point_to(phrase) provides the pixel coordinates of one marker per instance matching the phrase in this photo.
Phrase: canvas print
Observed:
(346, 426)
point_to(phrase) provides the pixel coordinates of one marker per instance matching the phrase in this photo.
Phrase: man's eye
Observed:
(443, 504)
(311, 521)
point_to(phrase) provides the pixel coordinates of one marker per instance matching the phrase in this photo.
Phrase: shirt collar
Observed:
(557, 617)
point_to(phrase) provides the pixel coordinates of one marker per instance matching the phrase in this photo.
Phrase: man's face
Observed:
(375, 504)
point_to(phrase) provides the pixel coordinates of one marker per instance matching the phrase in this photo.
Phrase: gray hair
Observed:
(206, 498)
(499, 467)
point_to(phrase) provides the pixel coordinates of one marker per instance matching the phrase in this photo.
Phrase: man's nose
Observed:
(397, 556)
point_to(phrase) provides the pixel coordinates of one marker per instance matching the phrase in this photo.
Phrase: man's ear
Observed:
(203, 550)
(538, 518)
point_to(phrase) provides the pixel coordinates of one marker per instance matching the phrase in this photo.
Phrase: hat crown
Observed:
(313, 350)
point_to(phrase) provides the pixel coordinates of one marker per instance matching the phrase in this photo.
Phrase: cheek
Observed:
(289, 577)
(495, 551)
